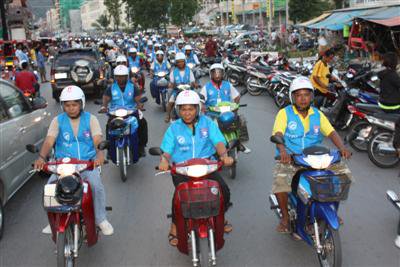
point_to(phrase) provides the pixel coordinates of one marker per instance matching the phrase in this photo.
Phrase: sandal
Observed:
(167, 119)
(227, 228)
(282, 228)
(172, 239)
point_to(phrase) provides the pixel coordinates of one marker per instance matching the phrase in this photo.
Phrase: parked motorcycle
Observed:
(314, 202)
(70, 207)
(199, 210)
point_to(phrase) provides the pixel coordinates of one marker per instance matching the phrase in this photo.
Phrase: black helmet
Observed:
(69, 190)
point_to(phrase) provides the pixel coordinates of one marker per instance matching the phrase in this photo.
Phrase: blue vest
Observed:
(189, 146)
(215, 95)
(125, 99)
(182, 80)
(295, 137)
(171, 48)
(190, 58)
(160, 67)
(134, 63)
(67, 145)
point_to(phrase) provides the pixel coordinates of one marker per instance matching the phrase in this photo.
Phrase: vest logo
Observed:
(210, 92)
(86, 134)
(226, 92)
(66, 136)
(181, 139)
(316, 129)
(204, 132)
(114, 93)
(292, 125)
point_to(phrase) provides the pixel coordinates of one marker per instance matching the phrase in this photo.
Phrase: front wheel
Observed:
(122, 164)
(381, 151)
(204, 252)
(358, 136)
(65, 245)
(331, 254)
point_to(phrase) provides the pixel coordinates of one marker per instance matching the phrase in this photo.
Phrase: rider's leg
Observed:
(143, 136)
(283, 174)
(99, 194)
(170, 107)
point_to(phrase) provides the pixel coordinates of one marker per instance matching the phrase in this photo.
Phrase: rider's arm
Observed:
(235, 96)
(192, 80)
(171, 83)
(106, 97)
(196, 59)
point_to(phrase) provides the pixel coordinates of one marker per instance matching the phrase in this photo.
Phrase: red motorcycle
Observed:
(199, 210)
(70, 208)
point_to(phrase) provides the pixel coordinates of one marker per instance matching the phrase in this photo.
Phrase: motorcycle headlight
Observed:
(121, 112)
(66, 169)
(69, 190)
(319, 161)
(134, 69)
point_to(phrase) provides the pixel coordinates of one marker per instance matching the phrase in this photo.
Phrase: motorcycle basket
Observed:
(329, 188)
(50, 203)
(199, 203)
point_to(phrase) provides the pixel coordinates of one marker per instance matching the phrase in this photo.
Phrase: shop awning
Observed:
(337, 20)
(381, 13)
(392, 22)
(315, 20)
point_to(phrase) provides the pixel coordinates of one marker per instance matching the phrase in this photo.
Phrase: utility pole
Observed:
(3, 19)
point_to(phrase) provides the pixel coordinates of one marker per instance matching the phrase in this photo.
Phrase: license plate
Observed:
(60, 76)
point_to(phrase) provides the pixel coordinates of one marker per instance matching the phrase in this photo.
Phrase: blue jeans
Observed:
(155, 91)
(98, 191)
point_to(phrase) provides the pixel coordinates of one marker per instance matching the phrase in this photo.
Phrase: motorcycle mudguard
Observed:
(88, 215)
(132, 141)
(58, 222)
(183, 225)
(328, 212)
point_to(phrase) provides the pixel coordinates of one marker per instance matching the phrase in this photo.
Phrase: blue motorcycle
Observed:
(123, 138)
(162, 86)
(314, 201)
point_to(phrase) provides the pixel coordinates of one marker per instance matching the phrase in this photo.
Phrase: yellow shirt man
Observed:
(321, 70)
(281, 122)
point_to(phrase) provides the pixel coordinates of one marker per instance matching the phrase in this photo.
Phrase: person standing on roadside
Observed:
(41, 61)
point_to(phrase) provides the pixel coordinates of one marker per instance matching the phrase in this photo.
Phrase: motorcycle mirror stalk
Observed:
(155, 151)
(277, 139)
(32, 148)
(103, 145)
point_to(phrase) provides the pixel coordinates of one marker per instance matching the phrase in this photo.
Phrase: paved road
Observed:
(140, 206)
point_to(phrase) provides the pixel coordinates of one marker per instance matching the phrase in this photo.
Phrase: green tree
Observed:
(182, 11)
(148, 13)
(102, 22)
(114, 10)
(303, 10)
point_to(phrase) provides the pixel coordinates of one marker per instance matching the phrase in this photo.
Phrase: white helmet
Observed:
(169, 41)
(121, 70)
(216, 66)
(300, 83)
(180, 56)
(187, 97)
(132, 50)
(180, 41)
(159, 52)
(121, 58)
(188, 47)
(149, 43)
(72, 93)
(157, 45)
(22, 62)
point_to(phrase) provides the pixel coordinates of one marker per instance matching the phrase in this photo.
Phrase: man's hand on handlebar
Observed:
(164, 165)
(345, 153)
(39, 164)
(228, 161)
(103, 109)
(285, 157)
(99, 161)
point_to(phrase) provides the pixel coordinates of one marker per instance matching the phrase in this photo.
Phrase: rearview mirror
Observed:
(277, 139)
(32, 148)
(143, 99)
(155, 151)
(39, 103)
(103, 145)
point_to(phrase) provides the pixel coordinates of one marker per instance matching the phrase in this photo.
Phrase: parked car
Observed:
(83, 67)
(21, 122)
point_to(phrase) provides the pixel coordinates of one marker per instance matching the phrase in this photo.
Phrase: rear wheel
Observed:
(254, 91)
(233, 78)
(164, 101)
(382, 159)
(65, 245)
(204, 252)
(331, 254)
(1, 218)
(122, 164)
(356, 141)
(281, 99)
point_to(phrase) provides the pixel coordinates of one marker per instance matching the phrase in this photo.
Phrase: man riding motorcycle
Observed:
(180, 43)
(135, 61)
(158, 65)
(180, 75)
(76, 133)
(26, 80)
(123, 93)
(190, 56)
(301, 126)
(177, 146)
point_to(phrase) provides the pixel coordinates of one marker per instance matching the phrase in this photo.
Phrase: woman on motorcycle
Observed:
(389, 97)
(177, 146)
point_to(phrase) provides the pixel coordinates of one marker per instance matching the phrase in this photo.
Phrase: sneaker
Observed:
(106, 228)
(244, 149)
(47, 230)
(397, 241)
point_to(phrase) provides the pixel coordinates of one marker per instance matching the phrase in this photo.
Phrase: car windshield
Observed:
(70, 57)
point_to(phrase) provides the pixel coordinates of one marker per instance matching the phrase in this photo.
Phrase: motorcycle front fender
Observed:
(58, 223)
(328, 212)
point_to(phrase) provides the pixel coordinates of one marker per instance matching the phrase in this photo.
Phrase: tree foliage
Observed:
(182, 11)
(102, 22)
(148, 13)
(114, 10)
(303, 10)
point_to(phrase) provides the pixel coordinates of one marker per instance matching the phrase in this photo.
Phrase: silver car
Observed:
(21, 122)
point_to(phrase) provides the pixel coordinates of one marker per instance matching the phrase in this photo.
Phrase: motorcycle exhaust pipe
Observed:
(257, 86)
(392, 197)
(274, 205)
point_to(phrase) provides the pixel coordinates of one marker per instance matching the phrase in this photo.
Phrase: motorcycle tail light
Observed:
(101, 74)
(52, 75)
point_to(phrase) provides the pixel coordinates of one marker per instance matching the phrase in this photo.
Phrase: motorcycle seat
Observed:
(368, 108)
(393, 117)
